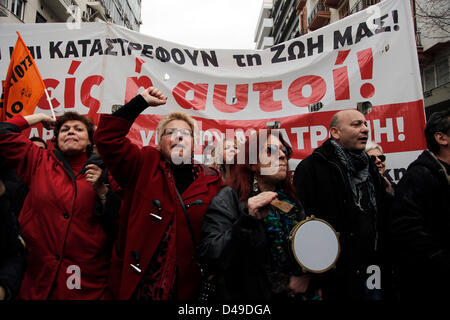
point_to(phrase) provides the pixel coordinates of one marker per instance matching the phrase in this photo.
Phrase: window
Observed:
(437, 74)
(17, 7)
(442, 72)
(40, 18)
(429, 77)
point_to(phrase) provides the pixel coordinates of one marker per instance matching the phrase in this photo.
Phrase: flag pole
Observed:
(50, 103)
(42, 81)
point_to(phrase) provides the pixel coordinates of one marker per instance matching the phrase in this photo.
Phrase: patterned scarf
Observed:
(357, 170)
(278, 226)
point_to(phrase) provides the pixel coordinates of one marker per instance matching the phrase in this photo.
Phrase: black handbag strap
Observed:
(187, 219)
(191, 231)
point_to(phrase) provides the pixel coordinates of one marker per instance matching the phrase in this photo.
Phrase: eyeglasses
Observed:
(381, 157)
(174, 131)
(273, 149)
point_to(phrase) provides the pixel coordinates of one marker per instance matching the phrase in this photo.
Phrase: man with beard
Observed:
(339, 184)
(153, 256)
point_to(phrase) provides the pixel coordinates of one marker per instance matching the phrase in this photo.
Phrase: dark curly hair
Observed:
(438, 122)
(69, 116)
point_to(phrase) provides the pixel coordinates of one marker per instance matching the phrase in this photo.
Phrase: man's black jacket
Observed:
(421, 230)
(323, 189)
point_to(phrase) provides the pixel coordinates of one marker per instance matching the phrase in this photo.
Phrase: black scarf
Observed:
(183, 175)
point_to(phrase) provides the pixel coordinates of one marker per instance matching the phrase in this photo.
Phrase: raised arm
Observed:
(123, 158)
(47, 121)
(17, 150)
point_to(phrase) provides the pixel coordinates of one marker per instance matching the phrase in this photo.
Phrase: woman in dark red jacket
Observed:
(66, 242)
(154, 255)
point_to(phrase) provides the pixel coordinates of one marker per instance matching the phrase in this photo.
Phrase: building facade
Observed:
(433, 43)
(126, 13)
(282, 20)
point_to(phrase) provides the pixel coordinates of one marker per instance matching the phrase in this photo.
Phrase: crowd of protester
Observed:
(125, 222)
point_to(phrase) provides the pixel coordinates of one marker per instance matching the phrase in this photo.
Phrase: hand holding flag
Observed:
(23, 86)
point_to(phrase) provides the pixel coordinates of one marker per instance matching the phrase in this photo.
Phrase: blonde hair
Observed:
(177, 115)
(372, 145)
(217, 154)
(216, 159)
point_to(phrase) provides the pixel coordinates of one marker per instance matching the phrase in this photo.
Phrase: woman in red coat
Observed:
(64, 235)
(154, 255)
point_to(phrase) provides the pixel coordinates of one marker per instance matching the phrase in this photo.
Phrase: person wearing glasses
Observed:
(246, 228)
(421, 218)
(377, 156)
(153, 258)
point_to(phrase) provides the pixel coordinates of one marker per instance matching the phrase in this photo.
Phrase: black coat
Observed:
(16, 190)
(421, 230)
(235, 248)
(324, 191)
(12, 251)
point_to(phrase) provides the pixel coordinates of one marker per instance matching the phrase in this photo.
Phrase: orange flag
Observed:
(23, 86)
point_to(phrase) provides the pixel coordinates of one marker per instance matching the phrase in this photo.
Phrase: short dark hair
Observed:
(68, 116)
(38, 139)
(438, 122)
(334, 123)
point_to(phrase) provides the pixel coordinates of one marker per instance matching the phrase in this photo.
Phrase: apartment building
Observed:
(282, 20)
(126, 13)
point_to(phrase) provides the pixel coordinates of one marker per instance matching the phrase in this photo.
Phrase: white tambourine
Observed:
(315, 245)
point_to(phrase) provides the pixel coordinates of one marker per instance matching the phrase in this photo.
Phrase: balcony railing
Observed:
(59, 8)
(362, 4)
(319, 16)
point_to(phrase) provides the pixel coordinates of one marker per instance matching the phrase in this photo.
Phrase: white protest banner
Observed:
(369, 56)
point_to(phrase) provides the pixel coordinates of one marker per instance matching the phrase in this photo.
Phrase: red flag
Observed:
(23, 86)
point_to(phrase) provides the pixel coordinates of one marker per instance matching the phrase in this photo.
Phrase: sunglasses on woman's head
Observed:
(381, 157)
